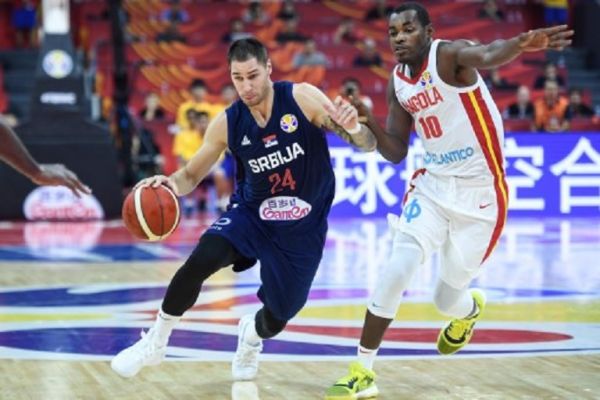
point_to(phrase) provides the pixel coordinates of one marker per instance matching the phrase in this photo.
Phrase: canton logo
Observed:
(246, 141)
(426, 80)
(411, 211)
(288, 123)
(270, 140)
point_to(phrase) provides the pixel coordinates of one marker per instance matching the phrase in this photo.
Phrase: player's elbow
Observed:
(394, 157)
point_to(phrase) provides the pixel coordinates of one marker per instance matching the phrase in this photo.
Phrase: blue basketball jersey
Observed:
(284, 169)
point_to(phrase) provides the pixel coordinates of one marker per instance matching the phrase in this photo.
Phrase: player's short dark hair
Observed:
(245, 49)
(422, 14)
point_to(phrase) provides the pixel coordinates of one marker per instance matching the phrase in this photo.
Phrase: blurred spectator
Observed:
(185, 145)
(152, 110)
(24, 22)
(550, 74)
(171, 34)
(351, 89)
(147, 158)
(369, 56)
(378, 11)
(236, 32)
(550, 111)
(309, 55)
(522, 108)
(347, 32)
(197, 102)
(576, 108)
(175, 13)
(288, 11)
(290, 33)
(495, 81)
(188, 141)
(228, 94)
(490, 10)
(556, 12)
(255, 14)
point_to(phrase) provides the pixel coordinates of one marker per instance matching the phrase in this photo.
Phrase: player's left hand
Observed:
(343, 113)
(555, 38)
(59, 175)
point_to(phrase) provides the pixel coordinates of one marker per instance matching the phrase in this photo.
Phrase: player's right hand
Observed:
(556, 38)
(59, 175)
(156, 181)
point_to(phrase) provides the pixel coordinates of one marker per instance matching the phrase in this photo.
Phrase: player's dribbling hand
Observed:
(343, 113)
(555, 38)
(156, 181)
(59, 175)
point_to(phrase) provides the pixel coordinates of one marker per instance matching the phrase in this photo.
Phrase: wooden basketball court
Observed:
(65, 312)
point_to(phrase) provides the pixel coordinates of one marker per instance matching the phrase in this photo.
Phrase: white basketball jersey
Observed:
(461, 128)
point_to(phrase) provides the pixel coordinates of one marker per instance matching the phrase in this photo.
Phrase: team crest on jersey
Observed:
(288, 123)
(426, 80)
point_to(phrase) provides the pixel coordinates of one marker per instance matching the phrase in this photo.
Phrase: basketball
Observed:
(151, 213)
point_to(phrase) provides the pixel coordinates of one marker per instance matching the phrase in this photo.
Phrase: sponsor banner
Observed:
(547, 175)
(59, 203)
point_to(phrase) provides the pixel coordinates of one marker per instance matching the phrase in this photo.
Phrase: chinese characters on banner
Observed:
(547, 174)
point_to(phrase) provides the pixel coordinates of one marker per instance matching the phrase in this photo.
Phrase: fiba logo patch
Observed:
(57, 64)
(288, 123)
(426, 80)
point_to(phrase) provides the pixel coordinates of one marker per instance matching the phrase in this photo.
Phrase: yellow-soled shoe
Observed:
(358, 384)
(457, 333)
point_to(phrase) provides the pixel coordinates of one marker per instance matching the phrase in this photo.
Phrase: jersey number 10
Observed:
(431, 127)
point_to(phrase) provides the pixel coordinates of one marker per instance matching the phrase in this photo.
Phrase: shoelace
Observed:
(146, 346)
(247, 357)
(457, 328)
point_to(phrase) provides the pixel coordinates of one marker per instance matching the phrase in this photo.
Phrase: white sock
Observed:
(366, 357)
(164, 326)
(250, 336)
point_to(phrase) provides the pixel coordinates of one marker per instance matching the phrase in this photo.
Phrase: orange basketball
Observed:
(151, 213)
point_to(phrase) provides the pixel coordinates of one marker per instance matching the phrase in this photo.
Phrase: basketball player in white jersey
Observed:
(455, 205)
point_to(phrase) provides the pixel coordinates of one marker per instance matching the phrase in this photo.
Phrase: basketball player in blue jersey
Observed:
(278, 215)
(456, 204)
(16, 155)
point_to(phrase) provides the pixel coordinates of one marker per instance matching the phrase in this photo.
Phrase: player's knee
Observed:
(394, 279)
(267, 326)
(211, 254)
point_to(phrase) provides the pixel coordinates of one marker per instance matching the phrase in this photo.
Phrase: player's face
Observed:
(408, 38)
(251, 80)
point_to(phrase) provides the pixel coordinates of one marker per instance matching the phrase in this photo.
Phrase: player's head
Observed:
(250, 70)
(198, 89)
(410, 32)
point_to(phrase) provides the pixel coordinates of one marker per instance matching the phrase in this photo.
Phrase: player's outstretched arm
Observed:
(14, 153)
(338, 116)
(184, 180)
(502, 51)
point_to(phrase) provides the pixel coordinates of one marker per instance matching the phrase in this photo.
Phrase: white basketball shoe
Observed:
(245, 362)
(145, 352)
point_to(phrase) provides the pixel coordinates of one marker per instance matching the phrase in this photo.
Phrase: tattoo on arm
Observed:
(331, 125)
(364, 140)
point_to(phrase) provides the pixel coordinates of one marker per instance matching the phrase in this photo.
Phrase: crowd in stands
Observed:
(547, 103)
